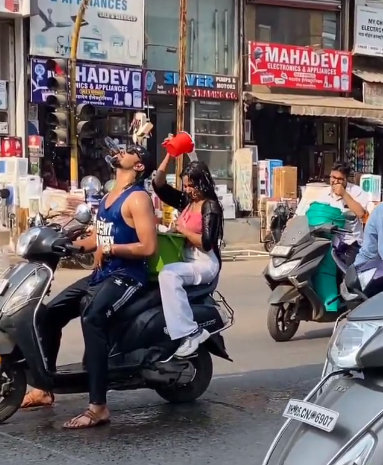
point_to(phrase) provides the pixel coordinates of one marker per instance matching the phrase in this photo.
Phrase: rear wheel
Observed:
(177, 393)
(13, 385)
(280, 324)
(86, 261)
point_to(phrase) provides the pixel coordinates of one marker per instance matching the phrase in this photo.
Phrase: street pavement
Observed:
(233, 423)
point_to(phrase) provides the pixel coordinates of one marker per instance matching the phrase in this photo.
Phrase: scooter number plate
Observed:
(311, 414)
(3, 286)
(280, 251)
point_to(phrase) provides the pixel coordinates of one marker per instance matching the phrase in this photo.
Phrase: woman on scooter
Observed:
(201, 222)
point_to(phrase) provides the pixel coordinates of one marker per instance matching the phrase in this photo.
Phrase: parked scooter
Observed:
(139, 343)
(278, 222)
(340, 420)
(292, 264)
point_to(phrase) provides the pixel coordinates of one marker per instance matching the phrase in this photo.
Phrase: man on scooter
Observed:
(344, 195)
(123, 238)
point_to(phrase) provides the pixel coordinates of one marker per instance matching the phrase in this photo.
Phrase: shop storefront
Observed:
(116, 94)
(13, 96)
(211, 115)
(296, 106)
(365, 138)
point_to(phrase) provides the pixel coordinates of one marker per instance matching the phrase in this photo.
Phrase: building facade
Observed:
(299, 91)
(212, 83)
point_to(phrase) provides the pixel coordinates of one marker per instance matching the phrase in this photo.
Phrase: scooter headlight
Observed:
(277, 272)
(347, 342)
(359, 453)
(25, 241)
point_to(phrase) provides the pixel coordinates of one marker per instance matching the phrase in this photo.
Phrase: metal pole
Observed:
(181, 82)
(73, 121)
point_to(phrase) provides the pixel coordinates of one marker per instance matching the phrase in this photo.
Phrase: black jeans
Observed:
(96, 305)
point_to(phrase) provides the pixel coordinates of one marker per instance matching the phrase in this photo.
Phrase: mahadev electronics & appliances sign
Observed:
(276, 65)
(112, 30)
(110, 86)
(368, 34)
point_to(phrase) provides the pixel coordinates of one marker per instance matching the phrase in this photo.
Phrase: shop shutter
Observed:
(312, 4)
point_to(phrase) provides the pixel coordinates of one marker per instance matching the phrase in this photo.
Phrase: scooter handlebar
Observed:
(64, 249)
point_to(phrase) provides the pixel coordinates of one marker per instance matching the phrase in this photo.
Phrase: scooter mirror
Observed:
(83, 213)
(5, 193)
(109, 185)
(91, 185)
(349, 215)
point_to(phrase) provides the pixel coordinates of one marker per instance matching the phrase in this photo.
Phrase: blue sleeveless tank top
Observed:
(112, 229)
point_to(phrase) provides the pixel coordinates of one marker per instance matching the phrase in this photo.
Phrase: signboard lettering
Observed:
(101, 85)
(288, 66)
(204, 86)
(368, 31)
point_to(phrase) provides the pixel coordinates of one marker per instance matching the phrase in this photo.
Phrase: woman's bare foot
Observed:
(96, 415)
(38, 398)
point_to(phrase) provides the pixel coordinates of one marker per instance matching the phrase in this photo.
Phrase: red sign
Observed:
(11, 147)
(288, 66)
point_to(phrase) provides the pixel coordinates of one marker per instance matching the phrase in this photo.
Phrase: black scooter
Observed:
(139, 343)
(292, 265)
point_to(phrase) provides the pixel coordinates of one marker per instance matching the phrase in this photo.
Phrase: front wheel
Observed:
(280, 324)
(13, 386)
(189, 392)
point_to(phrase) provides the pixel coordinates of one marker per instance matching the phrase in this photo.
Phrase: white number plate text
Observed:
(311, 414)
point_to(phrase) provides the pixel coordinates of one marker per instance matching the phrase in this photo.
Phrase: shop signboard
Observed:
(373, 93)
(10, 7)
(109, 86)
(111, 31)
(368, 34)
(199, 86)
(289, 66)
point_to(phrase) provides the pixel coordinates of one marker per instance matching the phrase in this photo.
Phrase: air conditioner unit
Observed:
(248, 135)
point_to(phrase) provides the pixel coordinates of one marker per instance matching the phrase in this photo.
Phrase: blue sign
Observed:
(204, 86)
(110, 86)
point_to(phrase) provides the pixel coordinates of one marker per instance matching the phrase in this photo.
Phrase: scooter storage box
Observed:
(324, 280)
(170, 250)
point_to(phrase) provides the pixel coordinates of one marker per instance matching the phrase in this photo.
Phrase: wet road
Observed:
(234, 422)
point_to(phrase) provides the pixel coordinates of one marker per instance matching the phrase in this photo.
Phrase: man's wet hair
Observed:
(342, 167)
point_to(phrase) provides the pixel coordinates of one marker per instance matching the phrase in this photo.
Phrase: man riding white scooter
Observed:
(124, 236)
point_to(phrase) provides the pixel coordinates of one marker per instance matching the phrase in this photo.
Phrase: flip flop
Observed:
(33, 400)
(94, 421)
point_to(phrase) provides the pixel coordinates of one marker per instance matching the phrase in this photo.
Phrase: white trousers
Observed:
(178, 313)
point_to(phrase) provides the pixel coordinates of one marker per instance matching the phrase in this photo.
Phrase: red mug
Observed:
(179, 144)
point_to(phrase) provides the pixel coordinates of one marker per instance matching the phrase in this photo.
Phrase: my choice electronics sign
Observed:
(368, 34)
(289, 66)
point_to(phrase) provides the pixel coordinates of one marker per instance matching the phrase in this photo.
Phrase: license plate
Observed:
(280, 251)
(3, 286)
(311, 414)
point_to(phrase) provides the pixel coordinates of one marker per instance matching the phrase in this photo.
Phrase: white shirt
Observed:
(328, 197)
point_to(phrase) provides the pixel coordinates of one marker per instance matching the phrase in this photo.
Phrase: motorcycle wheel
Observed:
(13, 386)
(86, 261)
(177, 394)
(281, 327)
(269, 245)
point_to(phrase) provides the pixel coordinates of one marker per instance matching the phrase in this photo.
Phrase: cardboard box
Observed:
(285, 182)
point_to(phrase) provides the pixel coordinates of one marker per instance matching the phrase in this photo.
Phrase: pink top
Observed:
(191, 220)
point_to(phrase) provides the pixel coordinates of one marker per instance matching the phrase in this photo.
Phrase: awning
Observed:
(339, 107)
(369, 75)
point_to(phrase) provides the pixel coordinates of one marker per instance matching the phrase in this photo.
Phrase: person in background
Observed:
(346, 196)
(201, 222)
(372, 247)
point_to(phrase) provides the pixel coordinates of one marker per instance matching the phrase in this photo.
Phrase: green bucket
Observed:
(324, 280)
(170, 250)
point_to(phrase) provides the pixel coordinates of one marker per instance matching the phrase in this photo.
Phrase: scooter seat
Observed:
(150, 296)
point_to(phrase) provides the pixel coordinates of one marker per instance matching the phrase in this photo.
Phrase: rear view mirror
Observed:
(83, 213)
